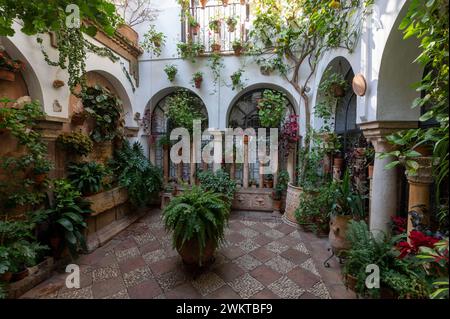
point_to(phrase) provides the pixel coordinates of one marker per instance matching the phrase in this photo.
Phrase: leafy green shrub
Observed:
(348, 202)
(272, 108)
(183, 108)
(197, 215)
(87, 177)
(67, 215)
(18, 246)
(315, 208)
(218, 182)
(106, 109)
(282, 184)
(75, 142)
(399, 275)
(135, 172)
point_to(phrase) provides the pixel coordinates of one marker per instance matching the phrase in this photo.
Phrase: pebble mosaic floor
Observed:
(262, 258)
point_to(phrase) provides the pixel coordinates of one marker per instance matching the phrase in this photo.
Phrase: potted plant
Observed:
(271, 108)
(218, 182)
(171, 71)
(215, 24)
(153, 41)
(87, 177)
(165, 142)
(349, 205)
(268, 181)
(197, 79)
(190, 50)
(237, 47)
(78, 118)
(266, 69)
(216, 47)
(231, 23)
(203, 3)
(236, 80)
(41, 170)
(194, 25)
(9, 67)
(197, 220)
(75, 143)
(225, 2)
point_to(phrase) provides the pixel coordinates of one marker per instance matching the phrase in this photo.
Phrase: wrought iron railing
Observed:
(225, 36)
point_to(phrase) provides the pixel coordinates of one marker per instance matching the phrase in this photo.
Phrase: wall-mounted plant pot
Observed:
(215, 47)
(196, 30)
(203, 3)
(265, 70)
(243, 2)
(338, 90)
(7, 75)
(78, 118)
(225, 2)
(198, 83)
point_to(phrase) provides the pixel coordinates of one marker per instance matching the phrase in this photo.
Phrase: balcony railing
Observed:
(225, 36)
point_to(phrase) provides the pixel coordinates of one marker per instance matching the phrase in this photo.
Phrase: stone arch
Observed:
(397, 73)
(259, 86)
(27, 80)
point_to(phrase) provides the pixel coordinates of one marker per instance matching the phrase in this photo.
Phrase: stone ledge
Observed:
(107, 200)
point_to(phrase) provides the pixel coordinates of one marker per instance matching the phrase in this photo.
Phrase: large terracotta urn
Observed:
(190, 253)
(338, 233)
(292, 202)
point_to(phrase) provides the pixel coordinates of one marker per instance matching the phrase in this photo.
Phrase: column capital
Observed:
(424, 174)
(377, 131)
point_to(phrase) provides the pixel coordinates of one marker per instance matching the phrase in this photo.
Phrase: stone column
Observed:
(383, 205)
(245, 167)
(233, 171)
(419, 191)
(166, 163)
(261, 175)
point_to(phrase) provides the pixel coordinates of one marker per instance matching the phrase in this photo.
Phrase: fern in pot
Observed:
(197, 220)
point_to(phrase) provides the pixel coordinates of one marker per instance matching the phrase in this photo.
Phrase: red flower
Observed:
(417, 240)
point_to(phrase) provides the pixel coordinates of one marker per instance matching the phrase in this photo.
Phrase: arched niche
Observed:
(26, 82)
(398, 72)
(243, 113)
(157, 125)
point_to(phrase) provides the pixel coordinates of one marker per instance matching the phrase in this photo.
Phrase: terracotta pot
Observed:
(350, 282)
(231, 28)
(292, 202)
(225, 2)
(242, 2)
(20, 275)
(7, 75)
(338, 162)
(246, 139)
(190, 253)
(370, 171)
(78, 118)
(265, 71)
(424, 149)
(40, 178)
(237, 51)
(203, 3)
(6, 277)
(216, 47)
(277, 205)
(196, 29)
(268, 184)
(198, 83)
(338, 91)
(338, 232)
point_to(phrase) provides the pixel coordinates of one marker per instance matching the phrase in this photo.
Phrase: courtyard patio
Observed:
(263, 258)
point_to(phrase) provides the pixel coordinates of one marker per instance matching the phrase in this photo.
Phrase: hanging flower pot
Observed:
(215, 25)
(338, 90)
(197, 79)
(243, 2)
(215, 47)
(225, 2)
(203, 3)
(231, 23)
(196, 29)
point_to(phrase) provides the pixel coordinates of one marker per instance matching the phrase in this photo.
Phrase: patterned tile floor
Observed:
(262, 258)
